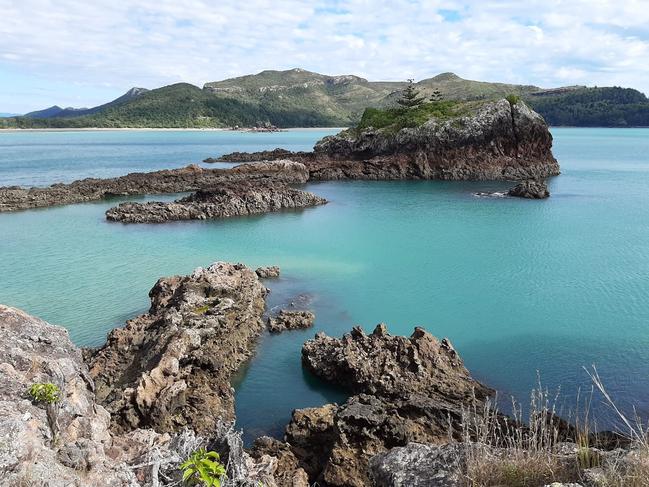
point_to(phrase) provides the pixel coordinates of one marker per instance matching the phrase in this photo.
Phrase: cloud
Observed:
(109, 46)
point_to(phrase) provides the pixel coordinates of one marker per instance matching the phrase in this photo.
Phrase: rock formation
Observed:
(290, 320)
(496, 141)
(268, 272)
(190, 178)
(407, 389)
(531, 189)
(232, 199)
(171, 367)
(266, 155)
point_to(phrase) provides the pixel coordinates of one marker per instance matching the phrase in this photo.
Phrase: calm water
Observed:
(518, 286)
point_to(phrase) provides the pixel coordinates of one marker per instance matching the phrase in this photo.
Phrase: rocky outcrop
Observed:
(171, 367)
(498, 141)
(266, 155)
(190, 178)
(407, 389)
(531, 189)
(233, 199)
(268, 272)
(290, 320)
(33, 351)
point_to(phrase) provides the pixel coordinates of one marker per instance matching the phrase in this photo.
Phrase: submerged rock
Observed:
(530, 188)
(225, 201)
(408, 389)
(171, 367)
(290, 320)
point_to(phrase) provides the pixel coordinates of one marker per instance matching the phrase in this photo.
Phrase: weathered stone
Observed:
(288, 471)
(233, 199)
(268, 272)
(408, 389)
(171, 367)
(531, 189)
(290, 320)
(419, 465)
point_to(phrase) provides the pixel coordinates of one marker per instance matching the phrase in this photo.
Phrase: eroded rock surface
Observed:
(531, 189)
(190, 178)
(228, 200)
(407, 389)
(268, 272)
(290, 320)
(171, 367)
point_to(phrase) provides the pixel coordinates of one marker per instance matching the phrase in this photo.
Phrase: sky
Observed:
(87, 52)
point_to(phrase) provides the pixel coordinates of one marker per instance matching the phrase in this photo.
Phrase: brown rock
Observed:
(268, 272)
(171, 367)
(290, 320)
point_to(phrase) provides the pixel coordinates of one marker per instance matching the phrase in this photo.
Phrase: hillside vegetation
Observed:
(299, 98)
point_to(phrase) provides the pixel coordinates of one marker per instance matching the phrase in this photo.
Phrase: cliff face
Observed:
(499, 141)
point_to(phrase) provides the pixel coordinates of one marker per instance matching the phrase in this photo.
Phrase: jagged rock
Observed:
(268, 272)
(171, 367)
(382, 364)
(290, 320)
(228, 200)
(288, 471)
(530, 188)
(419, 465)
(408, 389)
(31, 351)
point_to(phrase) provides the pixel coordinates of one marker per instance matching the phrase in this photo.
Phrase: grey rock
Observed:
(419, 465)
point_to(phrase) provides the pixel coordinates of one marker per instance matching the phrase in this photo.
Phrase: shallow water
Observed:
(518, 286)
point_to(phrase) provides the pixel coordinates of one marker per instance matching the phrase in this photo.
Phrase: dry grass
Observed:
(509, 452)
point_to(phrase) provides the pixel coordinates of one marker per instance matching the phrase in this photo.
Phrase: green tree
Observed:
(436, 95)
(410, 97)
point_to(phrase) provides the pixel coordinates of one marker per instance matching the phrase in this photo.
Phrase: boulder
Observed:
(269, 272)
(531, 189)
(290, 320)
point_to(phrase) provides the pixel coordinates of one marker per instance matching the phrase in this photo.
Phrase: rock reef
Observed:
(498, 141)
(243, 198)
(171, 367)
(190, 178)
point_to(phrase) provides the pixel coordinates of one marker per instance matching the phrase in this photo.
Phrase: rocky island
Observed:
(499, 140)
(227, 200)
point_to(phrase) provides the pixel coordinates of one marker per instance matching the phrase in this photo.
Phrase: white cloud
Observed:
(155, 42)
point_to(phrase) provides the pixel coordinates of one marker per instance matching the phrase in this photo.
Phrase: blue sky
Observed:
(79, 53)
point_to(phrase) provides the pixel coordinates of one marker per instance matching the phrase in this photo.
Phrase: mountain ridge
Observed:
(301, 98)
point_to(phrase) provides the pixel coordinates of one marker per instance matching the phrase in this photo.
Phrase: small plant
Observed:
(50, 395)
(45, 392)
(513, 99)
(203, 468)
(201, 310)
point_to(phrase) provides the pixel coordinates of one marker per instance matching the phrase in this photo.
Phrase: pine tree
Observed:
(410, 97)
(436, 96)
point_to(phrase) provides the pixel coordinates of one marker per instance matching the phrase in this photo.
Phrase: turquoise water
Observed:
(518, 286)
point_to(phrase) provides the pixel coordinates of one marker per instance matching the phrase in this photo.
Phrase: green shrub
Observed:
(45, 392)
(513, 99)
(203, 468)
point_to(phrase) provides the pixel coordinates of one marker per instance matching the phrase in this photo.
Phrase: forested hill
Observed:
(299, 98)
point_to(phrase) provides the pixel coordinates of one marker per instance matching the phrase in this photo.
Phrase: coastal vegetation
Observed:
(299, 98)
(203, 468)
